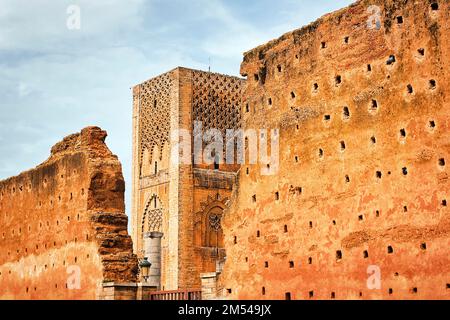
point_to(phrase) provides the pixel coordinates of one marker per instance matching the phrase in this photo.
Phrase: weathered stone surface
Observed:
(364, 148)
(65, 215)
(174, 199)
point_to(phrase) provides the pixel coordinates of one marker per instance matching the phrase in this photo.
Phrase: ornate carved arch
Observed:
(208, 226)
(153, 215)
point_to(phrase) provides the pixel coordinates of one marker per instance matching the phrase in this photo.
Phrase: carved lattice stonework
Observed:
(152, 219)
(154, 113)
(217, 100)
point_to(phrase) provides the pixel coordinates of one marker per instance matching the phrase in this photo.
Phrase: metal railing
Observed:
(176, 295)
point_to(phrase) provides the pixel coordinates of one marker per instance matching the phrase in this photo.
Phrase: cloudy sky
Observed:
(55, 81)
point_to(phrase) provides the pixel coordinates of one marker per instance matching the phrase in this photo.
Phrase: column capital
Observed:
(153, 235)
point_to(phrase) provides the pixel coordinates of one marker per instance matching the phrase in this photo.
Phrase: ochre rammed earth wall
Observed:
(63, 226)
(364, 156)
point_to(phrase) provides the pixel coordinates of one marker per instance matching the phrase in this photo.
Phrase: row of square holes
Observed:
(373, 105)
(378, 175)
(21, 188)
(45, 266)
(46, 246)
(323, 45)
(40, 226)
(288, 296)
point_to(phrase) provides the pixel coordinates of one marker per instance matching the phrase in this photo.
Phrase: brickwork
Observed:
(364, 146)
(64, 221)
(162, 106)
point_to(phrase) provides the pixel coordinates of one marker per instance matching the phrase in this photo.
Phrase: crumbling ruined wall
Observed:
(64, 221)
(363, 180)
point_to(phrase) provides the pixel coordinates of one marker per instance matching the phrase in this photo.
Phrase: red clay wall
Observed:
(377, 192)
(66, 215)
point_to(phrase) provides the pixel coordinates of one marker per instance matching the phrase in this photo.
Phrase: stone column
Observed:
(209, 285)
(152, 245)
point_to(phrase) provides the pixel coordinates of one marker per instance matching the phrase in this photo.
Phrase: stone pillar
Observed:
(144, 291)
(152, 245)
(117, 291)
(209, 285)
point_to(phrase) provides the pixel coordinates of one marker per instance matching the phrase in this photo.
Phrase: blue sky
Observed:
(55, 81)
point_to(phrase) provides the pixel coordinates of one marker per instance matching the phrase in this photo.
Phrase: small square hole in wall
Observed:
(399, 19)
(434, 6)
(390, 60)
(444, 203)
(342, 145)
(258, 234)
(373, 139)
(247, 108)
(266, 264)
(361, 218)
(254, 198)
(423, 246)
(377, 213)
(291, 264)
(409, 89)
(369, 68)
(256, 77)
(432, 84)
(421, 51)
(347, 179)
(402, 133)
(246, 259)
(277, 195)
(269, 101)
(405, 171)
(448, 286)
(323, 45)
(379, 174)
(346, 39)
(414, 290)
(431, 125)
(338, 80)
(296, 158)
(360, 294)
(320, 153)
(287, 296)
(373, 106)
(366, 254)
(315, 86)
(285, 228)
(391, 291)
(279, 68)
(327, 117)
(333, 295)
(235, 240)
(334, 222)
(229, 291)
(247, 171)
(310, 260)
(310, 224)
(442, 162)
(263, 291)
(311, 294)
(390, 250)
(345, 113)
(292, 95)
(338, 255)
(405, 209)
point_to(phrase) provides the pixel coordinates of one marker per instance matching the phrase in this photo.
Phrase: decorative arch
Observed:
(152, 218)
(154, 159)
(208, 222)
